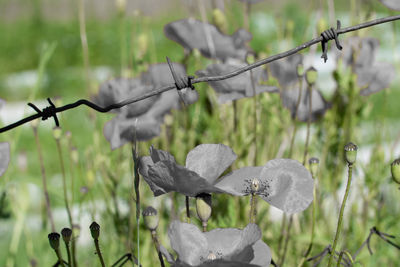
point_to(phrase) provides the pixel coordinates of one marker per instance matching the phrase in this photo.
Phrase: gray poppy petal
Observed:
(210, 160)
(359, 52)
(172, 177)
(194, 34)
(251, 1)
(223, 241)
(144, 164)
(376, 78)
(159, 75)
(4, 157)
(168, 256)
(120, 130)
(226, 263)
(189, 243)
(285, 70)
(290, 185)
(238, 182)
(262, 254)
(159, 155)
(393, 4)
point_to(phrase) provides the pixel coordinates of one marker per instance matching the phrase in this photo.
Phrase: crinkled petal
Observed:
(189, 243)
(262, 254)
(172, 177)
(290, 185)
(4, 157)
(359, 52)
(376, 78)
(223, 241)
(120, 130)
(238, 182)
(159, 155)
(194, 34)
(393, 4)
(210, 160)
(144, 164)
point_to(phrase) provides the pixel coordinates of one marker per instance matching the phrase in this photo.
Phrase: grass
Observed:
(22, 236)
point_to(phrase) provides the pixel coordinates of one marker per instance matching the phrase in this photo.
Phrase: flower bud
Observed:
(203, 206)
(219, 20)
(95, 230)
(313, 162)
(74, 155)
(395, 168)
(54, 240)
(35, 123)
(57, 133)
(66, 234)
(311, 76)
(300, 70)
(150, 218)
(350, 153)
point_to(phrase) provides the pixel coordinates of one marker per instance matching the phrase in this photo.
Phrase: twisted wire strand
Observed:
(180, 83)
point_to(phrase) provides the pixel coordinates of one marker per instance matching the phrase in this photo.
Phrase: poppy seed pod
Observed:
(395, 168)
(311, 76)
(313, 162)
(150, 218)
(95, 230)
(255, 185)
(54, 240)
(203, 206)
(66, 234)
(57, 133)
(350, 153)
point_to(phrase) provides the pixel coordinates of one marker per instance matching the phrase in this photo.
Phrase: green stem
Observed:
(295, 117)
(253, 209)
(157, 246)
(308, 124)
(60, 260)
(68, 253)
(98, 252)
(285, 247)
(340, 221)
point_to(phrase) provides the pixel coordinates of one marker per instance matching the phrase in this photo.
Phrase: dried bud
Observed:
(150, 218)
(311, 76)
(95, 230)
(203, 206)
(57, 133)
(66, 234)
(395, 168)
(350, 153)
(314, 163)
(255, 185)
(54, 240)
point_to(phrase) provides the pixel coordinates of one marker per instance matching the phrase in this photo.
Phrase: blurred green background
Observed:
(42, 55)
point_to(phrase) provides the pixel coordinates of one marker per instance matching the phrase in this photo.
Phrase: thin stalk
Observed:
(253, 209)
(340, 220)
(68, 254)
(255, 117)
(135, 157)
(44, 180)
(295, 117)
(246, 15)
(157, 246)
(285, 247)
(187, 209)
(309, 89)
(98, 252)
(281, 235)
(60, 260)
(84, 43)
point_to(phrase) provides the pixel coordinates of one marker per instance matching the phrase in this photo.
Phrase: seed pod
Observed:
(350, 153)
(66, 234)
(255, 185)
(57, 133)
(311, 76)
(314, 163)
(395, 168)
(95, 230)
(54, 240)
(150, 218)
(203, 206)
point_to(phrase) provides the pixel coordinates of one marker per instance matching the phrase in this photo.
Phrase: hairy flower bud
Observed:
(57, 133)
(150, 218)
(95, 230)
(350, 153)
(311, 76)
(203, 206)
(54, 240)
(395, 168)
(313, 162)
(66, 234)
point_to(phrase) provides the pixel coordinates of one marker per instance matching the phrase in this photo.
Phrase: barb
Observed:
(330, 34)
(192, 81)
(47, 112)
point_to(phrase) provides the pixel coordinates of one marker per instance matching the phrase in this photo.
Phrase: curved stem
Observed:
(98, 252)
(187, 209)
(68, 254)
(340, 221)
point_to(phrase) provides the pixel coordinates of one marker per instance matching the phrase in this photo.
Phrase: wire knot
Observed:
(330, 34)
(47, 112)
(181, 82)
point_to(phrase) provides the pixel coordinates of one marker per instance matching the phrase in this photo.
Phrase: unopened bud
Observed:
(219, 20)
(66, 234)
(300, 70)
(54, 240)
(150, 218)
(57, 133)
(313, 162)
(395, 168)
(95, 230)
(203, 206)
(350, 153)
(311, 76)
(74, 155)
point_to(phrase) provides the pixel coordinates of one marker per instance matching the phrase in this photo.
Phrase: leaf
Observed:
(194, 34)
(210, 160)
(393, 4)
(290, 185)
(4, 157)
(188, 242)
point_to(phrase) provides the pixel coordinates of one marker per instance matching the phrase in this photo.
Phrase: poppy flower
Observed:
(393, 4)
(284, 183)
(143, 118)
(4, 157)
(204, 164)
(360, 54)
(285, 71)
(218, 247)
(239, 86)
(194, 34)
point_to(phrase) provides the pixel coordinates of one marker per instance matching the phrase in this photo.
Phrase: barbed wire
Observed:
(189, 81)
